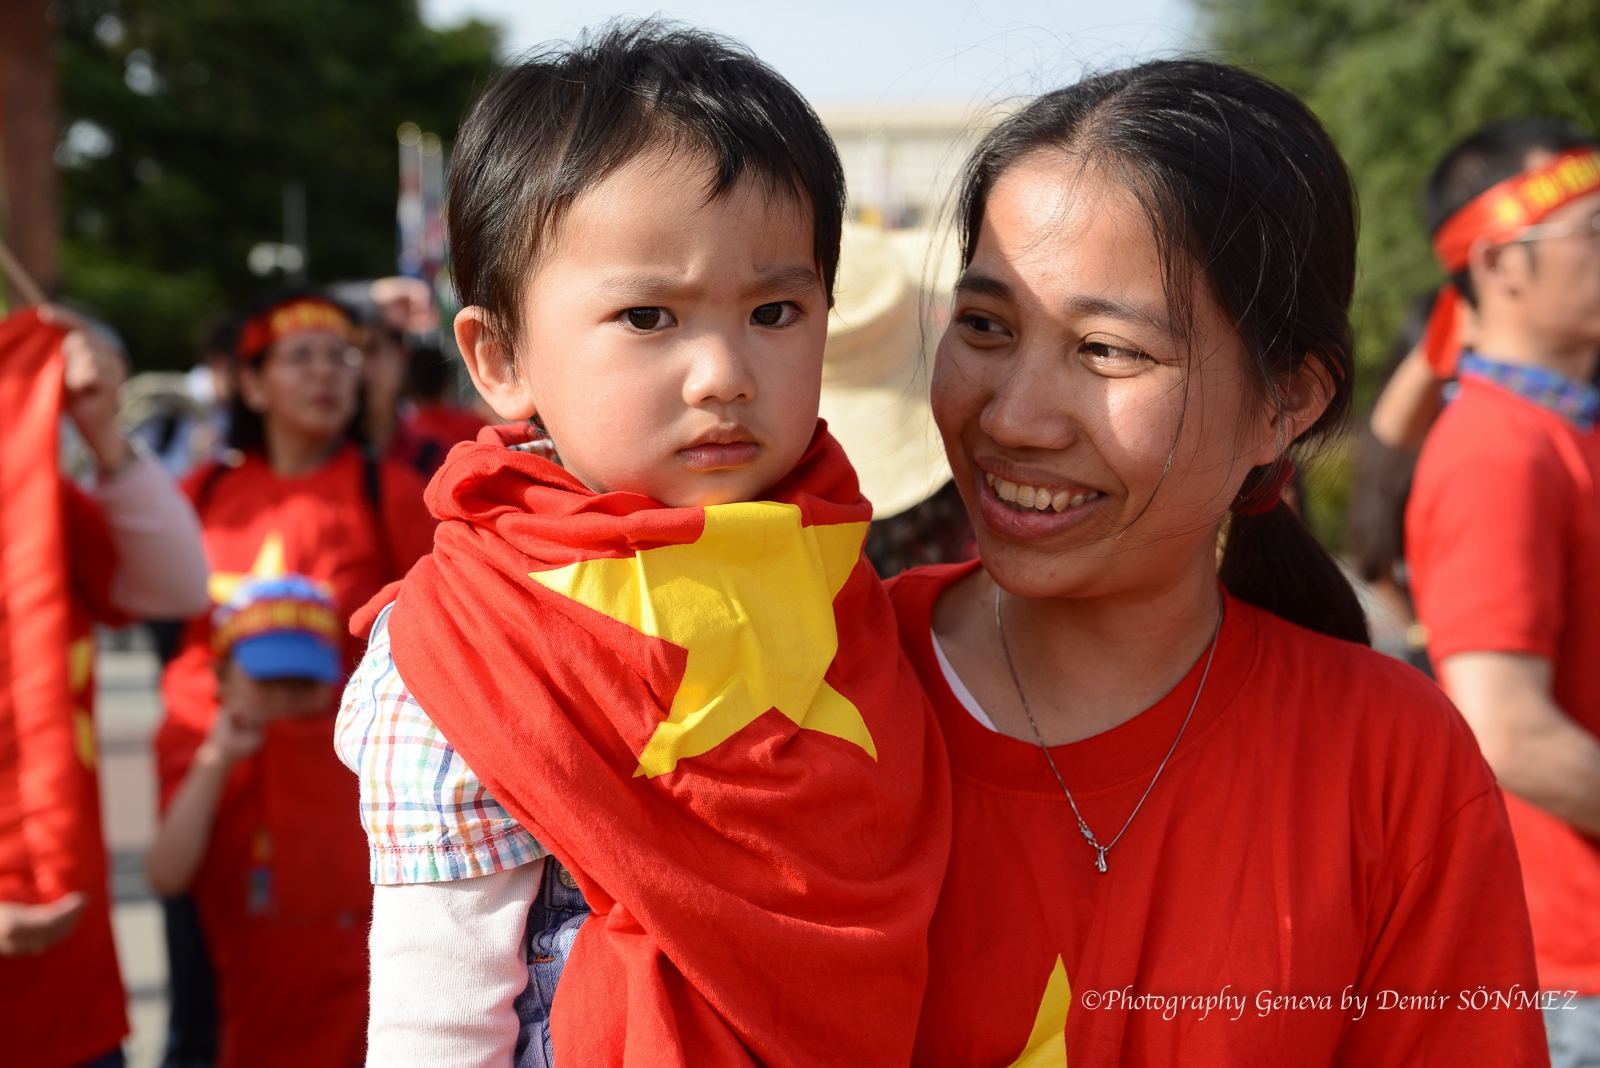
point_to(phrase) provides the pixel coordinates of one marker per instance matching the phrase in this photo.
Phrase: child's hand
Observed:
(238, 732)
(240, 727)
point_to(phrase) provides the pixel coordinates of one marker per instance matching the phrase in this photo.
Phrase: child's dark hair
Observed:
(1248, 197)
(557, 124)
(1496, 152)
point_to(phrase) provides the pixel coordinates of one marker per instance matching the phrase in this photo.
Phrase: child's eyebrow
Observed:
(650, 287)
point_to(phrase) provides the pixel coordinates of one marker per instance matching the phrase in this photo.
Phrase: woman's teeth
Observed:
(1037, 497)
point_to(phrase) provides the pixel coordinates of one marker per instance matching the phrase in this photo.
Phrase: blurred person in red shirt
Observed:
(409, 380)
(1503, 526)
(133, 552)
(282, 892)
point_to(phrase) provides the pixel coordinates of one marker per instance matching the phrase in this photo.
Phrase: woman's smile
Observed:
(1027, 511)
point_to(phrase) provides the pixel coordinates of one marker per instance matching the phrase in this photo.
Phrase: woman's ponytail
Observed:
(1272, 561)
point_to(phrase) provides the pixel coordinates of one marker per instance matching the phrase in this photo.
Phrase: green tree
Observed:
(1398, 82)
(184, 120)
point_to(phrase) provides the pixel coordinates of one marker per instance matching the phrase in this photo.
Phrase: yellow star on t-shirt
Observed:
(751, 600)
(1047, 1042)
(269, 564)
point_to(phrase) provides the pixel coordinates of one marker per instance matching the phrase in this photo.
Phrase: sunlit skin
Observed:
(1061, 369)
(1540, 300)
(671, 346)
(305, 389)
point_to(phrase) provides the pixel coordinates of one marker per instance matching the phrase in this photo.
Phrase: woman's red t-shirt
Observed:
(283, 892)
(1326, 832)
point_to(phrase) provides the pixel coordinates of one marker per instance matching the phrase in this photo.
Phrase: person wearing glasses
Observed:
(1503, 525)
(282, 890)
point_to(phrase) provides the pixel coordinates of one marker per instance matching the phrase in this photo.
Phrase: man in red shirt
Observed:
(1503, 528)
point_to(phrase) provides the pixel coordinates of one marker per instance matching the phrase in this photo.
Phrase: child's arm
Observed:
(454, 875)
(185, 833)
(448, 961)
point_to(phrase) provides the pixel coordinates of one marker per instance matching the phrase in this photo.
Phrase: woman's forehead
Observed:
(1057, 224)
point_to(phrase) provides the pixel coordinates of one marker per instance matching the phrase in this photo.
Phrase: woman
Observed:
(1195, 823)
(282, 892)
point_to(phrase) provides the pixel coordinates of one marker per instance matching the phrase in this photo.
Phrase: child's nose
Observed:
(720, 373)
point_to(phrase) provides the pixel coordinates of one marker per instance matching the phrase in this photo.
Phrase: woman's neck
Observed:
(291, 454)
(1085, 664)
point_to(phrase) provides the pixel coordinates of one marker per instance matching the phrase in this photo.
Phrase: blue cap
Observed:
(284, 627)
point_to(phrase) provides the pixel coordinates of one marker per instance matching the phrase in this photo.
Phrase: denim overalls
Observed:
(553, 921)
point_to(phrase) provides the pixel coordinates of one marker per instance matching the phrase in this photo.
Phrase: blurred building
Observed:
(902, 161)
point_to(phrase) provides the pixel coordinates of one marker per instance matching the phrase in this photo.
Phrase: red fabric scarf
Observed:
(46, 814)
(766, 900)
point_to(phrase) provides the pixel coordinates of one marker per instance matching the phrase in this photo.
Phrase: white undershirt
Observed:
(959, 688)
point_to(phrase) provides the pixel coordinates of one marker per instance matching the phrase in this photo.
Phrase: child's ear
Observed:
(493, 370)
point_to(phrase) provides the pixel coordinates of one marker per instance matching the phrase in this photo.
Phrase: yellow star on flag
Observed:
(269, 564)
(1047, 1043)
(751, 601)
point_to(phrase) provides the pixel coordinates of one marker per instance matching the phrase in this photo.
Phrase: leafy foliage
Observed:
(1398, 83)
(183, 120)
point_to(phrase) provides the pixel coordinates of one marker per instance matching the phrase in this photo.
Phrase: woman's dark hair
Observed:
(246, 431)
(1496, 152)
(559, 123)
(1247, 195)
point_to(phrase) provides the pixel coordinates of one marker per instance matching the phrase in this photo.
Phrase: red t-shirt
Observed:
(283, 892)
(44, 1027)
(1503, 540)
(1326, 829)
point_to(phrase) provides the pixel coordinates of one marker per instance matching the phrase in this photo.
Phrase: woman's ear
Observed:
(492, 369)
(1303, 399)
(248, 376)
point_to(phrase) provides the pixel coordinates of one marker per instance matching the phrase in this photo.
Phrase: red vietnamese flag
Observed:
(705, 714)
(45, 812)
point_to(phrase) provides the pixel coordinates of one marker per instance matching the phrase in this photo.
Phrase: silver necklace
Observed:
(1100, 851)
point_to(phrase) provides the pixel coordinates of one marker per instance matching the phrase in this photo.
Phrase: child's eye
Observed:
(781, 313)
(649, 318)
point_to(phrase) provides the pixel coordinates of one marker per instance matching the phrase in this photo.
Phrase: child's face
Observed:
(259, 701)
(671, 346)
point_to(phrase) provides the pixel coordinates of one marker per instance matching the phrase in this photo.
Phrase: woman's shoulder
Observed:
(1343, 691)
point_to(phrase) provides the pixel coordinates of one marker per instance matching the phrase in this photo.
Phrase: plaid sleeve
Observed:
(428, 818)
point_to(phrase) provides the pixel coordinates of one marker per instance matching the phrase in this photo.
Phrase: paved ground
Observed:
(128, 713)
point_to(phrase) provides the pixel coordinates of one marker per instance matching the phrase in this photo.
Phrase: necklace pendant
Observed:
(1100, 858)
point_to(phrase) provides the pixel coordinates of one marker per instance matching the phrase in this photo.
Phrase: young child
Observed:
(665, 661)
(278, 885)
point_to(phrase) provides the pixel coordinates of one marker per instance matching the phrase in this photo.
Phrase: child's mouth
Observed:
(719, 456)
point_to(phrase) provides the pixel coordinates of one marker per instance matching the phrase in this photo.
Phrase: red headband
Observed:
(1501, 213)
(295, 316)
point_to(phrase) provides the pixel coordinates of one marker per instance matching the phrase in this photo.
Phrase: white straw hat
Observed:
(875, 371)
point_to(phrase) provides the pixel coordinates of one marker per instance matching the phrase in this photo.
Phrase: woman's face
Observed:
(1097, 450)
(306, 384)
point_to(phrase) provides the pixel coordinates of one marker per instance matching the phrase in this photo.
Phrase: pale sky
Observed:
(902, 50)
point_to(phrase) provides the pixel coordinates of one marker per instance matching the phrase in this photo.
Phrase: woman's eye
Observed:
(982, 325)
(1113, 354)
(781, 313)
(649, 318)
